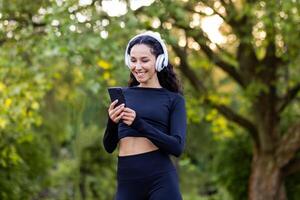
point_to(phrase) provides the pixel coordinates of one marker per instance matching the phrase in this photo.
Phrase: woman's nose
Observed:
(138, 65)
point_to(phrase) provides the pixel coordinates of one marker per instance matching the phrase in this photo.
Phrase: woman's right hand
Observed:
(115, 114)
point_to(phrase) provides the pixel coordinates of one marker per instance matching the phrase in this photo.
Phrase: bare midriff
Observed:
(135, 145)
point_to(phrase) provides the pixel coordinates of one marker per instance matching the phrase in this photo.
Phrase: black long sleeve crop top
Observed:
(160, 117)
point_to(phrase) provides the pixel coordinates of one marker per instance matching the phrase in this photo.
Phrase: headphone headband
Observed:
(157, 37)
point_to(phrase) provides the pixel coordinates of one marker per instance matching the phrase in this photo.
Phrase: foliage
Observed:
(232, 166)
(58, 57)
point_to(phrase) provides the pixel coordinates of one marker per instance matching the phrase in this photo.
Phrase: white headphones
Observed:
(161, 60)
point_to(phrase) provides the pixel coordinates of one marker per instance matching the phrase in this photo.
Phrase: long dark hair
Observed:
(167, 76)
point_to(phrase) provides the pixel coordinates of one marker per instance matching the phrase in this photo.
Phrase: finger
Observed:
(117, 108)
(128, 114)
(127, 118)
(128, 109)
(117, 112)
(113, 111)
(119, 117)
(112, 105)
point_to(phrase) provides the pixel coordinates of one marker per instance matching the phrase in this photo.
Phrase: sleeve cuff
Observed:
(110, 120)
(137, 123)
(111, 124)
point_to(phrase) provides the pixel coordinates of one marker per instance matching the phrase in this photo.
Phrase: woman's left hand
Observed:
(128, 116)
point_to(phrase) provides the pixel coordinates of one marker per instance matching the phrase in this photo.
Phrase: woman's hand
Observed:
(128, 116)
(115, 114)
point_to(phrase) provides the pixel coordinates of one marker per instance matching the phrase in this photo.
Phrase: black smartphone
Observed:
(116, 93)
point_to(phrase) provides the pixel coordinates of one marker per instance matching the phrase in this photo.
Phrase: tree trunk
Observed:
(266, 182)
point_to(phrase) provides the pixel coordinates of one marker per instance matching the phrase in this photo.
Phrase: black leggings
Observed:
(147, 176)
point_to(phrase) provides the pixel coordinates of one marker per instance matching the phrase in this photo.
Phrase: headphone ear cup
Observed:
(159, 62)
(127, 60)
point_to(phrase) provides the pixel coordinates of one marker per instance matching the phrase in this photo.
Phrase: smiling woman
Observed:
(141, 65)
(153, 125)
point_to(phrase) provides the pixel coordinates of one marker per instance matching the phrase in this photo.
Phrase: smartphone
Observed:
(116, 93)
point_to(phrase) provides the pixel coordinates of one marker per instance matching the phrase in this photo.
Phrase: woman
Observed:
(150, 127)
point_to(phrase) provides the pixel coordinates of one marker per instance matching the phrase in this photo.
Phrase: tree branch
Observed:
(216, 12)
(233, 18)
(201, 38)
(198, 36)
(288, 145)
(238, 119)
(186, 69)
(241, 24)
(291, 167)
(289, 97)
(224, 110)
(190, 7)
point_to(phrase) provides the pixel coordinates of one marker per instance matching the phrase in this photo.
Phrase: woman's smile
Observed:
(140, 74)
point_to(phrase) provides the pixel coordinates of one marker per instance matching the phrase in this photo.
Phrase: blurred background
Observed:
(238, 61)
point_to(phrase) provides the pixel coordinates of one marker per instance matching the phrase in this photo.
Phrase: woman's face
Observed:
(142, 64)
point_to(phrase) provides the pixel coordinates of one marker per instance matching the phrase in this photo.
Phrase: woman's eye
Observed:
(145, 61)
